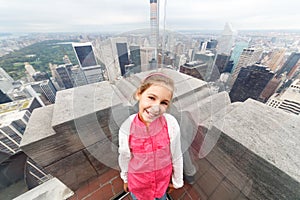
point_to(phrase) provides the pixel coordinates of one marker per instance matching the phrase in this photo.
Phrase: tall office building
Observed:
(250, 83)
(56, 78)
(237, 51)
(6, 82)
(6, 85)
(225, 42)
(113, 53)
(36, 91)
(212, 73)
(135, 57)
(4, 98)
(146, 58)
(4, 75)
(197, 69)
(289, 100)
(30, 71)
(222, 63)
(275, 60)
(270, 88)
(78, 76)
(65, 76)
(154, 26)
(87, 61)
(211, 44)
(291, 64)
(12, 128)
(49, 90)
(123, 56)
(248, 57)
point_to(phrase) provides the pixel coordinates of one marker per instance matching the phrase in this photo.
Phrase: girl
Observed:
(149, 143)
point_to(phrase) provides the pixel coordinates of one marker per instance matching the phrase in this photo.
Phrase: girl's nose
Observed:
(155, 109)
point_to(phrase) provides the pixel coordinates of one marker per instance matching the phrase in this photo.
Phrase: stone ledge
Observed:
(39, 116)
(263, 130)
(52, 189)
(78, 102)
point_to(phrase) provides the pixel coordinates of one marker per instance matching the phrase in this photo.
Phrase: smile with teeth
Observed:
(150, 114)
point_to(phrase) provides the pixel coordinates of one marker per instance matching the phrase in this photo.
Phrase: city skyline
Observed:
(116, 15)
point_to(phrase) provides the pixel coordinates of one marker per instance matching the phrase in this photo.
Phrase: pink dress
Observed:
(150, 166)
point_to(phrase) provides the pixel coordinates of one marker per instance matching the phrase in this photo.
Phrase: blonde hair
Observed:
(156, 78)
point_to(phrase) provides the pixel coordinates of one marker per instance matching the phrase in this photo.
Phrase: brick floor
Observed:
(109, 185)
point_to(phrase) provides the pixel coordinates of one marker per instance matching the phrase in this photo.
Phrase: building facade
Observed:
(248, 57)
(49, 90)
(88, 63)
(289, 100)
(250, 83)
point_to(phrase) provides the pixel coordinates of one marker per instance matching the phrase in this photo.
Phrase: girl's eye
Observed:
(152, 98)
(164, 103)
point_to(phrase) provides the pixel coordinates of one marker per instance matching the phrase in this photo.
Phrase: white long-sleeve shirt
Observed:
(175, 146)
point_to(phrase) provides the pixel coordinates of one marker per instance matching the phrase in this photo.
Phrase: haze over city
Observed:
(117, 15)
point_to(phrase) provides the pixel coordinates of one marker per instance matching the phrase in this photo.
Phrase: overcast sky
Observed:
(126, 15)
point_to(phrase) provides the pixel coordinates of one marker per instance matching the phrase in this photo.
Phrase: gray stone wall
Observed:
(241, 150)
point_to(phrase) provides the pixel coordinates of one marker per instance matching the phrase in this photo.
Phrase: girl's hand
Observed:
(125, 186)
(171, 188)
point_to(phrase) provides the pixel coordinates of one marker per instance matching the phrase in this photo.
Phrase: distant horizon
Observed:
(124, 31)
(119, 16)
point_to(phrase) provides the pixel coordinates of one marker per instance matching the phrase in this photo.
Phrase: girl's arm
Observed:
(124, 151)
(177, 161)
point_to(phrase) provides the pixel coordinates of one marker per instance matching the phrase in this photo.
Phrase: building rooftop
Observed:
(7, 118)
(240, 150)
(15, 105)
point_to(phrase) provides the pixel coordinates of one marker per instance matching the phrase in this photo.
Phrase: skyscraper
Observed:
(87, 61)
(275, 60)
(248, 57)
(6, 85)
(225, 42)
(135, 57)
(146, 58)
(237, 51)
(5, 76)
(49, 90)
(30, 71)
(4, 98)
(290, 66)
(197, 69)
(113, 53)
(123, 57)
(270, 88)
(250, 83)
(154, 26)
(289, 100)
(65, 76)
(12, 127)
(78, 76)
(56, 78)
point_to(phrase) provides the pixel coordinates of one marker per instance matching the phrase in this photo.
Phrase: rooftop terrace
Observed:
(240, 150)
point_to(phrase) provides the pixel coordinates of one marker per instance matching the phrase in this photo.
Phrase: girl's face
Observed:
(153, 102)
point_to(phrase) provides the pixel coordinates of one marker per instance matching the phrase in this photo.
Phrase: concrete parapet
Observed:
(241, 150)
(52, 189)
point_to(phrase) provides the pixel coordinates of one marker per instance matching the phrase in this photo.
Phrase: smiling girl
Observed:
(149, 143)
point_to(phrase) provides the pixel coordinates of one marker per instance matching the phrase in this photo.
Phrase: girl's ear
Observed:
(137, 95)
